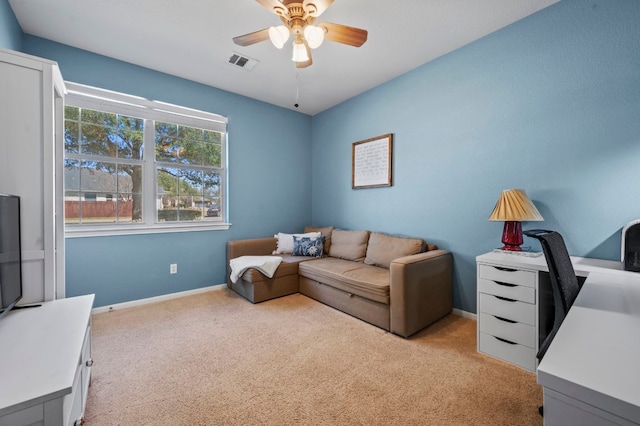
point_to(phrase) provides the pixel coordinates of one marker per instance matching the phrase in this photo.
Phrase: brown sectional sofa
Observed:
(398, 284)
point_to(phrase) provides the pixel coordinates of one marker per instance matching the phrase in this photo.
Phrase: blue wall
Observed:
(269, 185)
(10, 31)
(550, 104)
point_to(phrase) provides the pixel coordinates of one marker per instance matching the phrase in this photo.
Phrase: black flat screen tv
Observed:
(10, 253)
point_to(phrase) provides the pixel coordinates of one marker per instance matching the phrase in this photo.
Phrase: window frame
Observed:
(83, 96)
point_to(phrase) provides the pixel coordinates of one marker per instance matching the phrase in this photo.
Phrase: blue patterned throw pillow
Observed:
(305, 246)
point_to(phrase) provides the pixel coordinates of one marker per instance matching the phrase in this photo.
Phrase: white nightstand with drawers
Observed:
(514, 309)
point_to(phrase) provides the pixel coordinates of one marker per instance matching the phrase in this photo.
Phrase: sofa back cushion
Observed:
(383, 249)
(349, 245)
(325, 232)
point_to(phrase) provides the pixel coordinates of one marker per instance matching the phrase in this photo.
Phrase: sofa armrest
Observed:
(421, 290)
(252, 247)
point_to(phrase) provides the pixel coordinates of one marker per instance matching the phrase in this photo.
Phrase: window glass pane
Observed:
(213, 210)
(180, 194)
(167, 209)
(130, 186)
(98, 176)
(211, 191)
(71, 113)
(97, 140)
(212, 155)
(103, 191)
(166, 129)
(189, 209)
(125, 206)
(212, 183)
(167, 149)
(110, 135)
(190, 133)
(212, 137)
(167, 195)
(71, 207)
(191, 153)
(71, 135)
(136, 207)
(71, 174)
(129, 137)
(98, 117)
(71, 193)
(178, 209)
(188, 147)
(96, 208)
(130, 123)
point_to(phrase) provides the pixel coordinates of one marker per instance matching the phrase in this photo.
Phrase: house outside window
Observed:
(136, 166)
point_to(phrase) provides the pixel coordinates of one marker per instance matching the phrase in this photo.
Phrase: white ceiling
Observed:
(193, 39)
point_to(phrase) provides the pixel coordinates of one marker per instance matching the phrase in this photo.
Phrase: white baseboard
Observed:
(465, 314)
(109, 308)
(155, 299)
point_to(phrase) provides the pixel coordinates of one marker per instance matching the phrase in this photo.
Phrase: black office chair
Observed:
(564, 283)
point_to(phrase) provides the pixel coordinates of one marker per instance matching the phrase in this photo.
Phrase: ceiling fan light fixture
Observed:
(279, 35)
(299, 51)
(298, 17)
(314, 36)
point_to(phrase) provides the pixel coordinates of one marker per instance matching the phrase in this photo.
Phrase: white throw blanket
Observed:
(265, 264)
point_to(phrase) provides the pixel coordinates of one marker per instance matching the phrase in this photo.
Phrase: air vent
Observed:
(243, 62)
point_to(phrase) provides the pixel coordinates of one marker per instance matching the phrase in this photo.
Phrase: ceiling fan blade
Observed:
(252, 38)
(274, 6)
(316, 7)
(305, 63)
(344, 34)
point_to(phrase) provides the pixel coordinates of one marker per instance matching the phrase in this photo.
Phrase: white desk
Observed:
(591, 372)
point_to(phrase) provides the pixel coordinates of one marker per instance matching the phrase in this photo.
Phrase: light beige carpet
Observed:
(216, 359)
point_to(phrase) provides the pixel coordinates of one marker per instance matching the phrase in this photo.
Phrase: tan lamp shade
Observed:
(514, 205)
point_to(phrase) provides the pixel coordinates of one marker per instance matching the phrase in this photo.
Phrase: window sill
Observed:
(110, 230)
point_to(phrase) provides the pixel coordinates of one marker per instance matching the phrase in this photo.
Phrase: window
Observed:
(133, 165)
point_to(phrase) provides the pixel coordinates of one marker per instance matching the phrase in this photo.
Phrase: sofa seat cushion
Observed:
(370, 282)
(289, 266)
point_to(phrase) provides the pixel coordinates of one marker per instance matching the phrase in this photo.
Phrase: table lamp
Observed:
(512, 207)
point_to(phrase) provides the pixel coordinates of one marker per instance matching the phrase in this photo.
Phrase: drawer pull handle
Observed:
(499, 268)
(506, 299)
(505, 340)
(505, 284)
(505, 320)
(89, 362)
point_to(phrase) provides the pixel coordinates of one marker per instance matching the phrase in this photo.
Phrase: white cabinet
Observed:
(45, 363)
(31, 150)
(513, 312)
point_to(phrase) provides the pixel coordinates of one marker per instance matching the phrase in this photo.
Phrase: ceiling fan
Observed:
(298, 17)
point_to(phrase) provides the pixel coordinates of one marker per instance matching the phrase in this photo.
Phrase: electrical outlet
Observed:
(173, 268)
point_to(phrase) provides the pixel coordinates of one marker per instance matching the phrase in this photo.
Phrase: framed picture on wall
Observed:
(371, 162)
